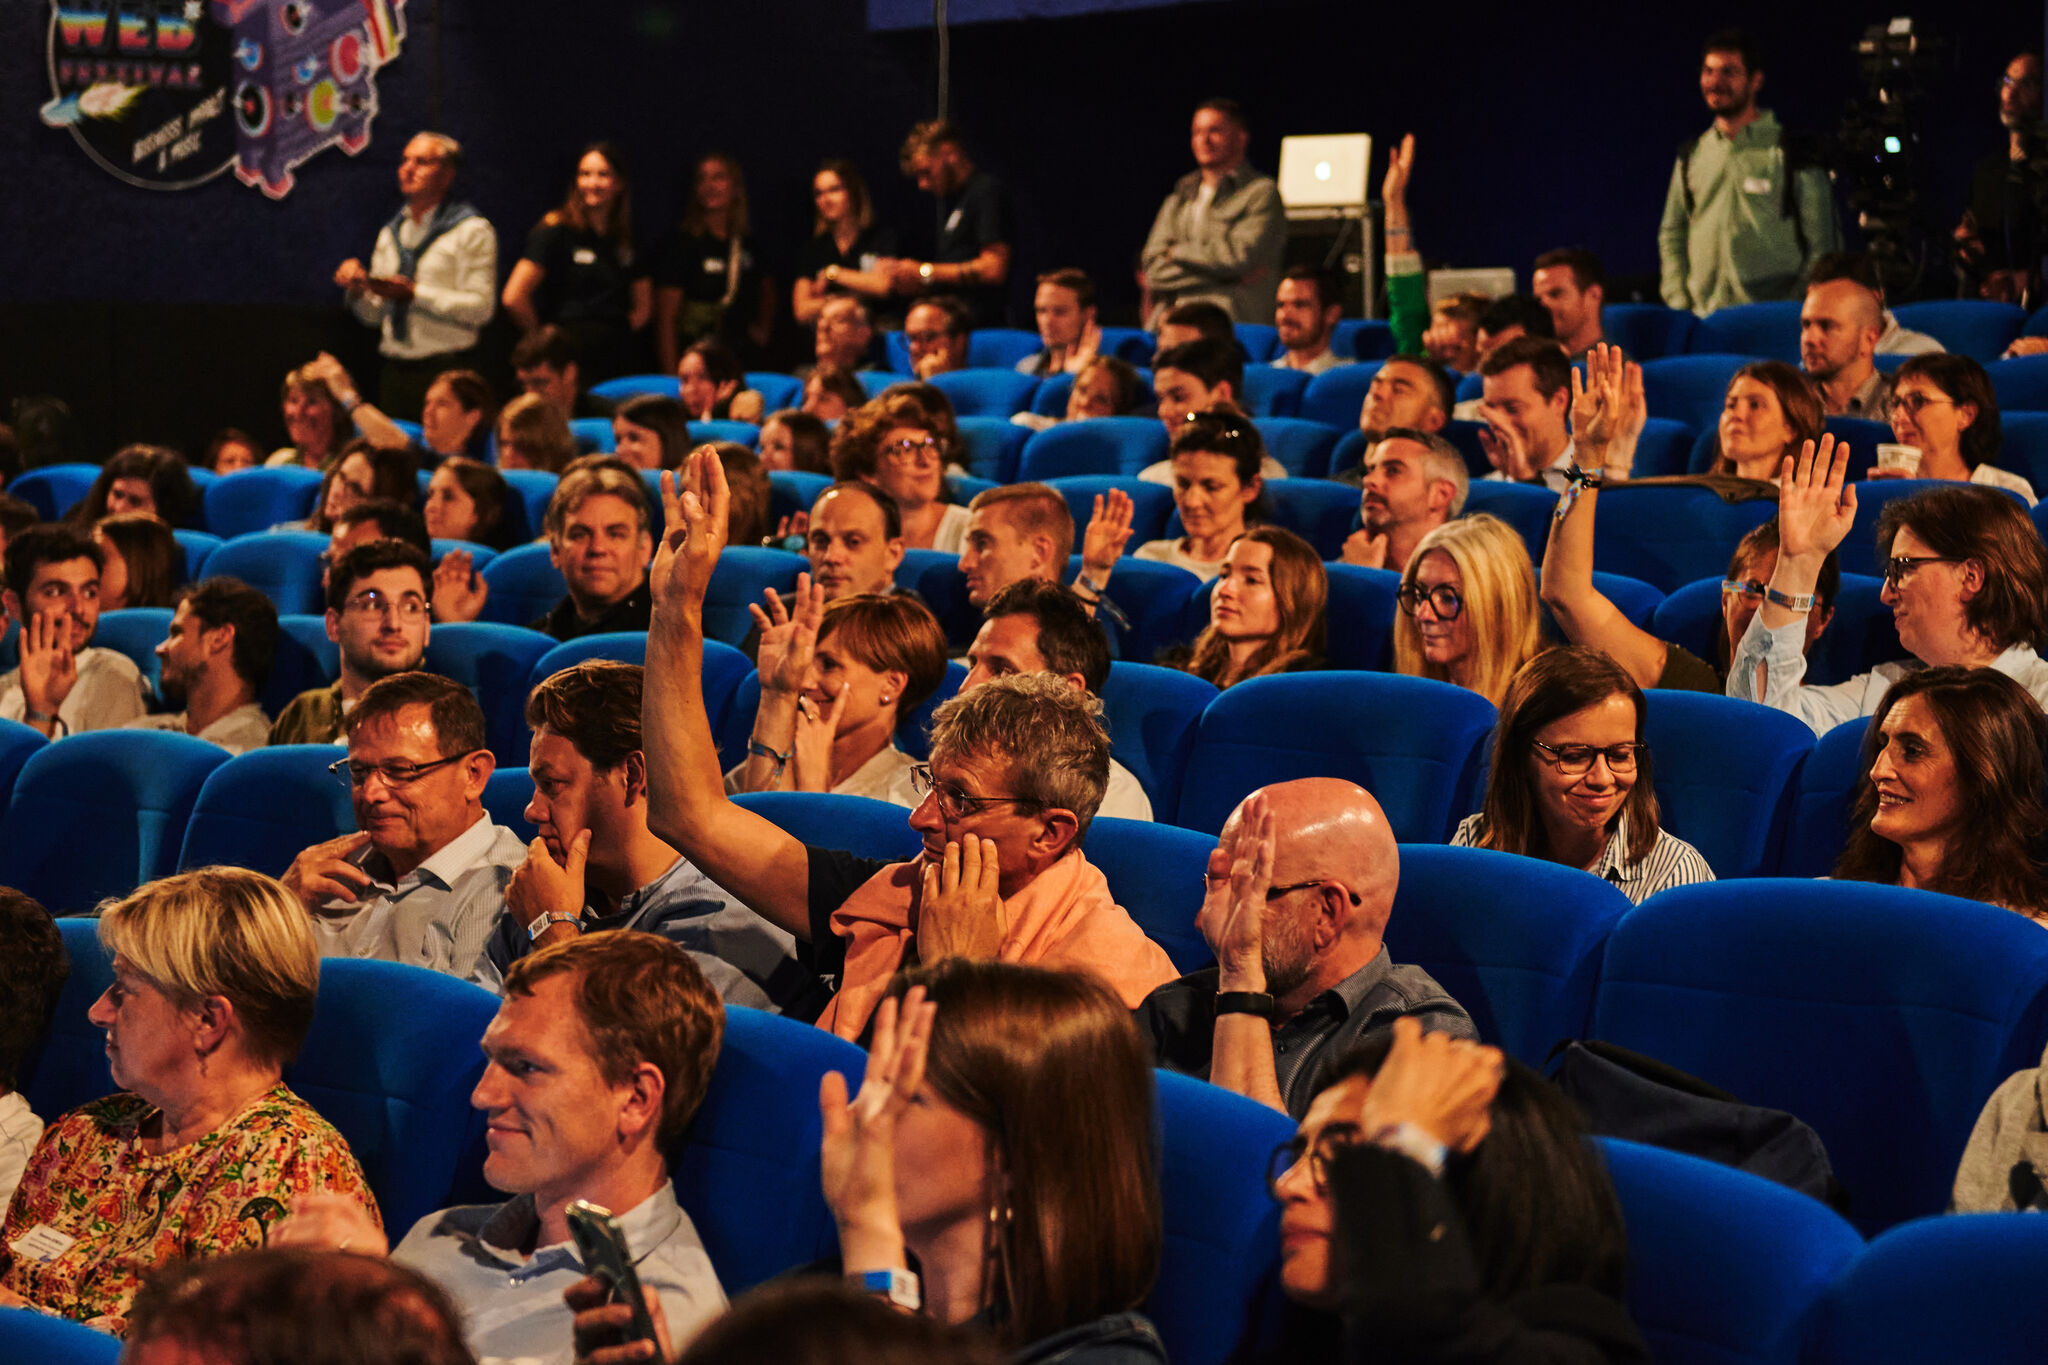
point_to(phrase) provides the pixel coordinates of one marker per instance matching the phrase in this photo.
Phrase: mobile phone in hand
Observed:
(603, 1249)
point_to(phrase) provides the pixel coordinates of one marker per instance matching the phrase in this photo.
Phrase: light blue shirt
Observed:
(1780, 656)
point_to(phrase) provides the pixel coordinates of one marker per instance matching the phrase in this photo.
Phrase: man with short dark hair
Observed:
(1221, 235)
(32, 973)
(379, 612)
(1412, 483)
(597, 867)
(1408, 392)
(597, 530)
(1750, 207)
(854, 540)
(1193, 377)
(599, 1057)
(423, 878)
(937, 330)
(1064, 306)
(1305, 313)
(547, 365)
(1303, 974)
(64, 684)
(1528, 391)
(2000, 240)
(971, 255)
(1572, 283)
(375, 519)
(1197, 321)
(216, 657)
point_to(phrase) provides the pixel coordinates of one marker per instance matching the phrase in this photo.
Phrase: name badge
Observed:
(714, 265)
(584, 256)
(953, 221)
(867, 261)
(1756, 184)
(41, 1243)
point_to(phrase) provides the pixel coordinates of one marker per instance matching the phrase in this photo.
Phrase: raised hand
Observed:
(1508, 452)
(1440, 1084)
(1109, 530)
(459, 590)
(49, 666)
(1233, 915)
(960, 910)
(857, 1157)
(810, 760)
(1816, 507)
(788, 642)
(797, 524)
(1400, 164)
(695, 506)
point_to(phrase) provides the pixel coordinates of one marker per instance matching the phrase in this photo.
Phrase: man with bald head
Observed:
(1299, 889)
(1840, 325)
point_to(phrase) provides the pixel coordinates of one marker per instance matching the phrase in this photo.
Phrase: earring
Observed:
(885, 699)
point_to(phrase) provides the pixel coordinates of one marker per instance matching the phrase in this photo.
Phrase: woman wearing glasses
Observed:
(1965, 574)
(835, 678)
(897, 444)
(1468, 607)
(1217, 456)
(1944, 407)
(1266, 611)
(1445, 1199)
(1570, 778)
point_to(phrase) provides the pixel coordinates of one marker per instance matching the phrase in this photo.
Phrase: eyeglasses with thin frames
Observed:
(1273, 893)
(1912, 403)
(954, 804)
(401, 774)
(915, 452)
(1290, 1153)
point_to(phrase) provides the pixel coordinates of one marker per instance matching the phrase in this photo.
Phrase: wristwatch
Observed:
(924, 272)
(1245, 1002)
(542, 921)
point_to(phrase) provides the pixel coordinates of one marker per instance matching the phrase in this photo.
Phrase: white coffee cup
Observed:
(1898, 459)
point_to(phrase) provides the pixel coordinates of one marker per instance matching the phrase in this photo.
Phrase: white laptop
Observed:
(1492, 281)
(1324, 174)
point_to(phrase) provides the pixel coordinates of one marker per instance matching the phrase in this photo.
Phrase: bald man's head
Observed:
(1333, 833)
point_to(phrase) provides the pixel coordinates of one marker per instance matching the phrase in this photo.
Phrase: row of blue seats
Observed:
(1726, 1267)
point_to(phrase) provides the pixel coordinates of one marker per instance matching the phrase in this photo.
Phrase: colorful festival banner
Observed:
(167, 94)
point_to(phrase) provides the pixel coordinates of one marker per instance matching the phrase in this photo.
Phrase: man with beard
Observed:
(378, 607)
(216, 657)
(1414, 482)
(1305, 315)
(1300, 886)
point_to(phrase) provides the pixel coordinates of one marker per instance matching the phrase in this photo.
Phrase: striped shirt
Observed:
(1670, 862)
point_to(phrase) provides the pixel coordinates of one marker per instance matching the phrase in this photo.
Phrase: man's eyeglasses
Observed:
(370, 602)
(1899, 568)
(954, 804)
(1573, 759)
(927, 338)
(1289, 1154)
(1912, 403)
(399, 774)
(1273, 893)
(908, 451)
(1748, 589)
(1443, 599)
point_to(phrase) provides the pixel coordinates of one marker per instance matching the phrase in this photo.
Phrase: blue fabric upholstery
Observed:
(1819, 824)
(1362, 339)
(493, 661)
(1664, 448)
(1335, 397)
(1465, 437)
(742, 575)
(506, 797)
(1155, 873)
(101, 813)
(17, 742)
(993, 447)
(1153, 714)
(1859, 636)
(1859, 553)
(1516, 941)
(479, 555)
(2021, 383)
(305, 658)
(1527, 507)
(1416, 744)
(914, 731)
(1000, 348)
(856, 824)
(526, 513)
(2023, 446)
(722, 429)
(1762, 331)
(1977, 328)
(791, 491)
(1303, 447)
(71, 1067)
(258, 499)
(1128, 344)
(31, 1338)
(777, 391)
(1725, 773)
(1635, 599)
(1725, 1268)
(747, 1171)
(1155, 597)
(1321, 513)
(1151, 505)
(262, 809)
(1220, 1265)
(136, 632)
(1668, 536)
(1647, 331)
(1360, 617)
(935, 576)
(1348, 453)
(620, 646)
(55, 489)
(282, 565)
(1270, 391)
(987, 392)
(524, 586)
(633, 385)
(1690, 388)
(1881, 1016)
(875, 381)
(593, 435)
(965, 488)
(1098, 445)
(1863, 438)
(1961, 1288)
(197, 547)
(1260, 340)
(390, 1061)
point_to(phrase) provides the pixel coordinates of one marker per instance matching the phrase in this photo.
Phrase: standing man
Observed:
(1305, 315)
(2000, 240)
(1222, 233)
(971, 255)
(1749, 209)
(379, 611)
(217, 656)
(432, 280)
(1572, 284)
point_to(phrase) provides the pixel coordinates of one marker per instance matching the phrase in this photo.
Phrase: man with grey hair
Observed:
(1018, 768)
(1299, 890)
(1415, 481)
(432, 280)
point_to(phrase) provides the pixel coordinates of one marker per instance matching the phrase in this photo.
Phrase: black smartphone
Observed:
(603, 1248)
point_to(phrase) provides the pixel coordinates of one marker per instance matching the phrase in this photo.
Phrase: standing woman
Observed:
(707, 282)
(580, 271)
(846, 244)
(1266, 611)
(1468, 607)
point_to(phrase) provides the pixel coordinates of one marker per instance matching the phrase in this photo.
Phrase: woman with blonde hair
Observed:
(1468, 607)
(205, 1148)
(1265, 612)
(533, 434)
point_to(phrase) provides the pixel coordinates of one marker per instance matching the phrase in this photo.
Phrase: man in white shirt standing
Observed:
(432, 280)
(32, 972)
(217, 653)
(63, 685)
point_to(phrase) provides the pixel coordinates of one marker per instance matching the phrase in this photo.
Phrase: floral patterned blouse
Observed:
(124, 1212)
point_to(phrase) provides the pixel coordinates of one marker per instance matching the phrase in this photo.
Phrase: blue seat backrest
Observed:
(2023, 446)
(305, 659)
(1859, 635)
(1128, 344)
(633, 385)
(1762, 331)
(1725, 776)
(71, 1068)
(935, 576)
(1151, 505)
(494, 661)
(1962, 1288)
(1859, 553)
(258, 499)
(1321, 513)
(1000, 348)
(1690, 388)
(1647, 331)
(619, 646)
(1155, 872)
(1725, 1268)
(1863, 438)
(1335, 397)
(1302, 446)
(747, 1170)
(31, 1338)
(1155, 597)
(1664, 448)
(740, 579)
(722, 429)
(993, 447)
(1261, 341)
(282, 565)
(1414, 743)
(593, 435)
(17, 742)
(1362, 339)
(2021, 384)
(1881, 1016)
(794, 490)
(855, 824)
(1348, 453)
(136, 632)
(1516, 941)
(1669, 536)
(1526, 507)
(1819, 825)
(526, 514)
(524, 586)
(777, 391)
(1096, 445)
(101, 813)
(506, 797)
(1153, 714)
(1635, 599)
(197, 546)
(1270, 391)
(1360, 617)
(987, 393)
(55, 489)
(914, 731)
(1977, 328)
(262, 809)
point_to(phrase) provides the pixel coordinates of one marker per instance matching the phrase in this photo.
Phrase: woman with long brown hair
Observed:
(847, 246)
(1769, 410)
(580, 273)
(1265, 612)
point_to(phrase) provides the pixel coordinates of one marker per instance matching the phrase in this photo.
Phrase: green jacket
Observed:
(1732, 233)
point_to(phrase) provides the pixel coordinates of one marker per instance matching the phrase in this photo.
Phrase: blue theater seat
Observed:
(1097, 445)
(1725, 773)
(791, 491)
(914, 731)
(1977, 328)
(1155, 872)
(1647, 331)
(1321, 513)
(494, 661)
(1360, 617)
(2023, 446)
(619, 646)
(633, 385)
(1526, 507)
(506, 797)
(1690, 388)
(136, 632)
(1054, 391)
(1362, 339)
(1416, 744)
(524, 585)
(721, 429)
(993, 447)
(1000, 348)
(17, 742)
(1155, 597)
(1151, 505)
(2021, 383)
(1859, 637)
(1516, 941)
(1335, 397)
(71, 1067)
(778, 391)
(742, 576)
(282, 565)
(1762, 331)
(987, 393)
(1152, 714)
(593, 435)
(55, 489)
(197, 546)
(101, 813)
(1664, 448)
(1348, 453)
(1881, 1016)
(262, 809)
(1668, 536)
(1261, 341)
(1819, 823)
(856, 824)
(1303, 447)
(31, 1338)
(935, 577)
(305, 659)
(1128, 344)
(258, 499)
(1961, 1288)
(1270, 391)
(526, 514)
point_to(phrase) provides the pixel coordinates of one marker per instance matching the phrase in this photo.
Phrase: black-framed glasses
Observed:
(1289, 1154)
(1574, 759)
(1748, 589)
(1912, 403)
(1899, 568)
(954, 804)
(399, 774)
(1273, 893)
(1445, 600)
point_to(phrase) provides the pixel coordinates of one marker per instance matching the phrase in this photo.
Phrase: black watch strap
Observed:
(1245, 1002)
